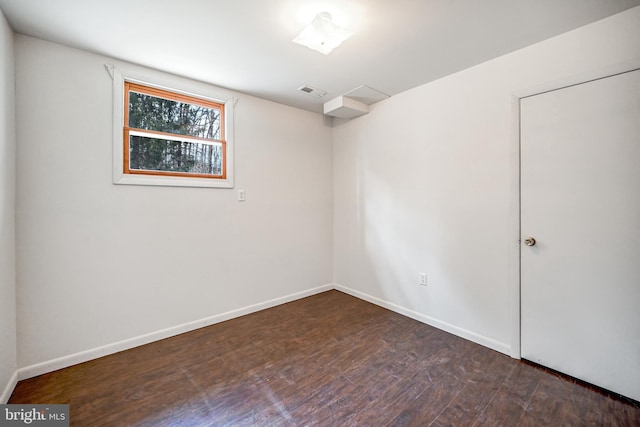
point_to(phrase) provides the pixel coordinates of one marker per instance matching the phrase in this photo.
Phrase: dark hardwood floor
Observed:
(327, 360)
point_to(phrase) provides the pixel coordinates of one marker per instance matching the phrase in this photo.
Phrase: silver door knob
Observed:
(529, 241)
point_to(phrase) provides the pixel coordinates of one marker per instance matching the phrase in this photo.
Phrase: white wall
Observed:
(428, 182)
(100, 263)
(7, 214)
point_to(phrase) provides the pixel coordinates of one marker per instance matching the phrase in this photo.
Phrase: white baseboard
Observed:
(463, 333)
(84, 356)
(6, 394)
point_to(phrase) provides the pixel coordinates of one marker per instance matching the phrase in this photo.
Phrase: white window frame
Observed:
(119, 177)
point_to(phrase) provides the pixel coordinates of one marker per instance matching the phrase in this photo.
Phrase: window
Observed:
(173, 137)
(166, 133)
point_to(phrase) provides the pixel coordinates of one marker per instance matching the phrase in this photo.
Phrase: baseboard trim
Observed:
(85, 356)
(462, 333)
(8, 390)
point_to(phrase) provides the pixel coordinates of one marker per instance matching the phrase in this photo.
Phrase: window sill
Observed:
(171, 181)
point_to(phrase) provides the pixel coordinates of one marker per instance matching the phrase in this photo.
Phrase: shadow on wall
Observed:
(405, 227)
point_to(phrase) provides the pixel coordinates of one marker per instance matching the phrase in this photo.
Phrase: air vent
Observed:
(312, 91)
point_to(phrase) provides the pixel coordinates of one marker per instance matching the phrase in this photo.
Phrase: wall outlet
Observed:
(241, 197)
(423, 279)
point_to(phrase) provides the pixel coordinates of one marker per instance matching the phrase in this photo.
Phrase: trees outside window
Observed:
(168, 133)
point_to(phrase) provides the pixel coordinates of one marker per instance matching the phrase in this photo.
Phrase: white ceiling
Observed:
(245, 45)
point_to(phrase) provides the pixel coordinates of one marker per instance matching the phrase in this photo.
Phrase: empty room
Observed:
(332, 212)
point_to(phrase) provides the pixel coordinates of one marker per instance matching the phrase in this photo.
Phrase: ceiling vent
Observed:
(312, 91)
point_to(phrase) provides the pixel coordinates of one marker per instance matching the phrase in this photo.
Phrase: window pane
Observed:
(164, 115)
(154, 154)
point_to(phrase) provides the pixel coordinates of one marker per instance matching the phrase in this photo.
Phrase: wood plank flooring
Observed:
(326, 360)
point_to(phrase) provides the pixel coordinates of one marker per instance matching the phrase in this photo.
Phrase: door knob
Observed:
(529, 241)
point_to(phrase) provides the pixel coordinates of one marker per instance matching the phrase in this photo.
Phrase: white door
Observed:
(580, 201)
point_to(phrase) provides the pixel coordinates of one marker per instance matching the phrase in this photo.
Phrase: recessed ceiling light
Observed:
(322, 34)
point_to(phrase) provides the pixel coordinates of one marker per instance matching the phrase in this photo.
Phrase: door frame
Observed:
(514, 256)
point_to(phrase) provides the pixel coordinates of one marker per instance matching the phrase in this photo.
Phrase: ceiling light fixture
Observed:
(322, 34)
